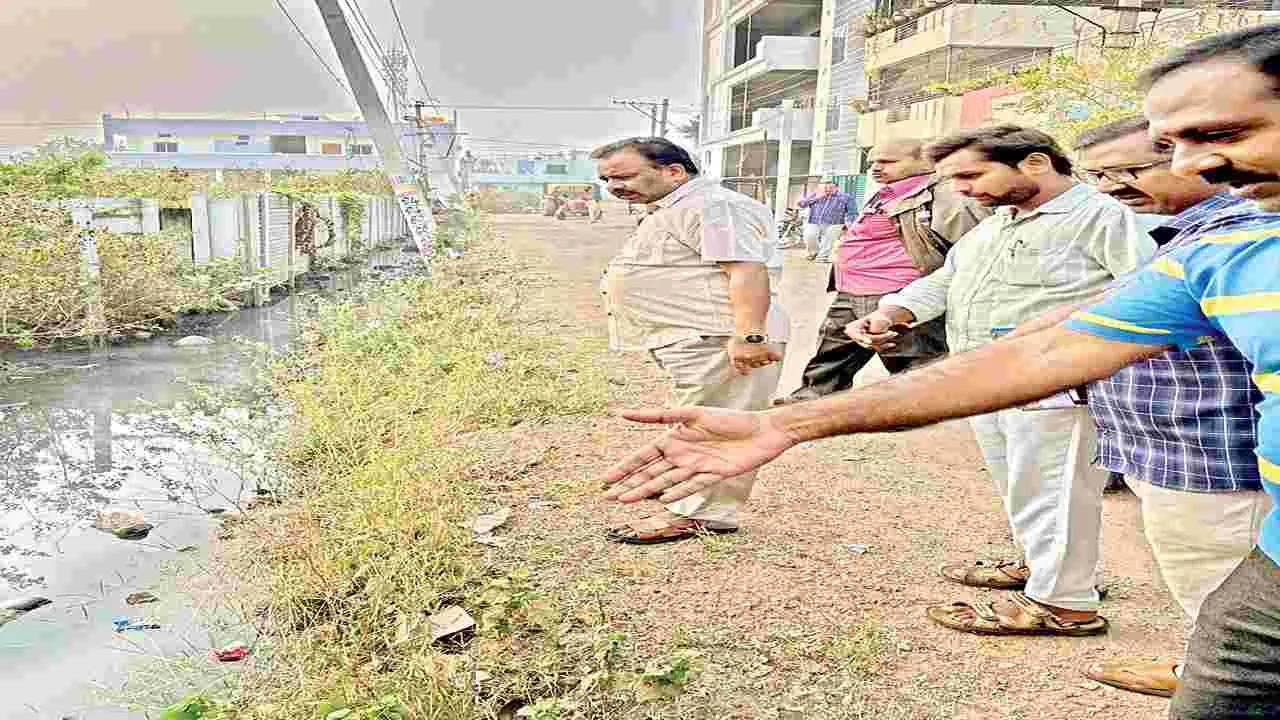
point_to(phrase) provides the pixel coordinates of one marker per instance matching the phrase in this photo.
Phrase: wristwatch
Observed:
(755, 338)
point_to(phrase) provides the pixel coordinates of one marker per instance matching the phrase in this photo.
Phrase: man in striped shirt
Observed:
(1217, 102)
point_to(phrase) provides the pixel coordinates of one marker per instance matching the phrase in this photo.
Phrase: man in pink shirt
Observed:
(902, 234)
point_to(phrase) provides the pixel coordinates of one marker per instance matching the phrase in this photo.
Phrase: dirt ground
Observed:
(790, 622)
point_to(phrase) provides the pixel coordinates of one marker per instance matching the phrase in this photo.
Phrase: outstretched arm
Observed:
(709, 445)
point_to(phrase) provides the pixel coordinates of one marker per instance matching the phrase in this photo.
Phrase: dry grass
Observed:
(778, 622)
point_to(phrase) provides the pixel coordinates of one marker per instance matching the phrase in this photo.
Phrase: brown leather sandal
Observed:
(658, 529)
(1149, 678)
(1031, 619)
(997, 575)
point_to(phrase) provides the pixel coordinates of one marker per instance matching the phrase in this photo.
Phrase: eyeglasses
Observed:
(1118, 175)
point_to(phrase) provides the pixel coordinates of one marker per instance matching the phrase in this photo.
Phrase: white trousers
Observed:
(701, 375)
(1199, 538)
(820, 240)
(1041, 465)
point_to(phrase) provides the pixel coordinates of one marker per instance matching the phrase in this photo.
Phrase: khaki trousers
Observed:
(1198, 539)
(701, 375)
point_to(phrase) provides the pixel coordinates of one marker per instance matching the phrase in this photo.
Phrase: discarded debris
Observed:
(141, 598)
(858, 548)
(495, 360)
(451, 620)
(122, 624)
(11, 610)
(489, 539)
(484, 524)
(193, 341)
(124, 525)
(538, 504)
(234, 652)
(188, 548)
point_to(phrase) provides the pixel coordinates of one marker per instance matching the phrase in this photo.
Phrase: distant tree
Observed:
(691, 129)
(65, 147)
(1088, 86)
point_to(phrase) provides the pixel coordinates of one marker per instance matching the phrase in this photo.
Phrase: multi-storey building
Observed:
(284, 142)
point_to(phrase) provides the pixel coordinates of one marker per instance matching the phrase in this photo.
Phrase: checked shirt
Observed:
(1184, 420)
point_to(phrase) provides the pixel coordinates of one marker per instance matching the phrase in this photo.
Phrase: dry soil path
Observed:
(792, 623)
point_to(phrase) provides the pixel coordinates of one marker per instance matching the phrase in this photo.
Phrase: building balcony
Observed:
(776, 54)
(769, 120)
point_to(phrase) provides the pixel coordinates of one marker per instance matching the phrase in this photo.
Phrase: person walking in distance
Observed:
(902, 234)
(696, 287)
(830, 212)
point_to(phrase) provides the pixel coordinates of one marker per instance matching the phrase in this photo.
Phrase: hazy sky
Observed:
(71, 60)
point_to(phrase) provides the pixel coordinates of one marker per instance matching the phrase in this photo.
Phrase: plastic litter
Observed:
(234, 652)
(122, 624)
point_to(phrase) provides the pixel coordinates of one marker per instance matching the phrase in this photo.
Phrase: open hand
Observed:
(705, 447)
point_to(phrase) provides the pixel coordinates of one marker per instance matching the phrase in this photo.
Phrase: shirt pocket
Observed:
(1038, 264)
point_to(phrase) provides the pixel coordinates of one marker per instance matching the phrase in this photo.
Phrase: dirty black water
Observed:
(82, 433)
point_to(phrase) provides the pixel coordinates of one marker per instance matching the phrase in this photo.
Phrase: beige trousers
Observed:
(1198, 539)
(1041, 465)
(701, 375)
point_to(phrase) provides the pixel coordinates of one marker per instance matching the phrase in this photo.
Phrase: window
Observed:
(557, 169)
(360, 149)
(833, 113)
(289, 144)
(838, 42)
(902, 32)
(166, 144)
(330, 148)
(242, 139)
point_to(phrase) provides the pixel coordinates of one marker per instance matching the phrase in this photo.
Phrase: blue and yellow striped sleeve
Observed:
(1154, 307)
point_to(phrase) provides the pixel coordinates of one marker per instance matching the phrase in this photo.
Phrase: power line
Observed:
(311, 45)
(412, 57)
(362, 21)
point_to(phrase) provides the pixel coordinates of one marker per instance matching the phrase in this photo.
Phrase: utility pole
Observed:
(414, 198)
(655, 111)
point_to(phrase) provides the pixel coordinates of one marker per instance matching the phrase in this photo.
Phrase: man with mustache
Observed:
(1217, 102)
(696, 287)
(1180, 426)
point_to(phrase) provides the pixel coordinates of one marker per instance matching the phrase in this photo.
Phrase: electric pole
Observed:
(413, 197)
(655, 111)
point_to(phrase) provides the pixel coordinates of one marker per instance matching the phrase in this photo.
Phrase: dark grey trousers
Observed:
(1233, 660)
(839, 358)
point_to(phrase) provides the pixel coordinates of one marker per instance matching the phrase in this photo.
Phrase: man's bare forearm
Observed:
(749, 295)
(1001, 375)
(1056, 316)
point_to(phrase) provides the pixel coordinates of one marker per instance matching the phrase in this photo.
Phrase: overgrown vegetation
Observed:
(385, 389)
(86, 175)
(144, 281)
